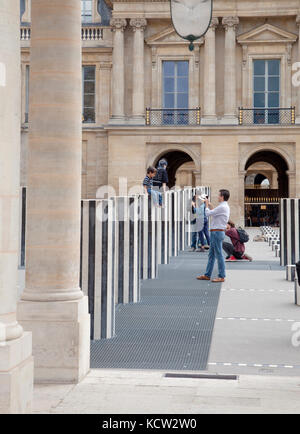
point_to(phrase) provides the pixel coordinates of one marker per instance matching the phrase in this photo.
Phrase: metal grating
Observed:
(171, 329)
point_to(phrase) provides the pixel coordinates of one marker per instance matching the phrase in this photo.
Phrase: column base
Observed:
(229, 120)
(117, 120)
(136, 120)
(16, 375)
(297, 120)
(209, 120)
(61, 338)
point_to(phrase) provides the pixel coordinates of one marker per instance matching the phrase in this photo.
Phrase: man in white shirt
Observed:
(219, 219)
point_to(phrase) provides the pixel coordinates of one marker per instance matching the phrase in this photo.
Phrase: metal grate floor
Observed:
(171, 329)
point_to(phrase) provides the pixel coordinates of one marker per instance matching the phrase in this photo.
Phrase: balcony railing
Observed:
(173, 117)
(88, 33)
(267, 116)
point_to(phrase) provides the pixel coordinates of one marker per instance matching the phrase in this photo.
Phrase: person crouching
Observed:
(236, 249)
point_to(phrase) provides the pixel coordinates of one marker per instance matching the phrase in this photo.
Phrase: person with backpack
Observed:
(236, 249)
(161, 179)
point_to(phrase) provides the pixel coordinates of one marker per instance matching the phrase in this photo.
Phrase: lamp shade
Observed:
(191, 18)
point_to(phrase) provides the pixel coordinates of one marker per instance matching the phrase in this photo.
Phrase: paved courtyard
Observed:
(252, 338)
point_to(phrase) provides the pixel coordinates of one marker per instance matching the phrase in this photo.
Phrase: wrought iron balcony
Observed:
(267, 116)
(173, 117)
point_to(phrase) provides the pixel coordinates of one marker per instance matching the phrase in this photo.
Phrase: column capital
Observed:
(138, 24)
(118, 24)
(230, 22)
(214, 23)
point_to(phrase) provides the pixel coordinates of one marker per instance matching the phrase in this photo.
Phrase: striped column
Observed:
(97, 265)
(165, 226)
(127, 284)
(289, 231)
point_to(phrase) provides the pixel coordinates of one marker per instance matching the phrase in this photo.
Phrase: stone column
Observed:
(16, 364)
(230, 109)
(209, 106)
(104, 92)
(53, 306)
(118, 73)
(138, 99)
(298, 80)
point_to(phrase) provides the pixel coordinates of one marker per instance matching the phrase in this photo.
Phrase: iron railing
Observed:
(173, 117)
(267, 116)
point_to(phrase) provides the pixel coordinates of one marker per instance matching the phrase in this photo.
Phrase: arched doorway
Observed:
(266, 181)
(180, 167)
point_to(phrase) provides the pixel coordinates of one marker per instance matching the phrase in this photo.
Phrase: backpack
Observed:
(244, 237)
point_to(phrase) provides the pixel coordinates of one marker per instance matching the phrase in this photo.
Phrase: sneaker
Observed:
(247, 258)
(192, 249)
(231, 259)
(201, 249)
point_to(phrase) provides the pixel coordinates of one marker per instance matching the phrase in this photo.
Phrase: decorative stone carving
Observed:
(214, 23)
(229, 22)
(138, 24)
(118, 24)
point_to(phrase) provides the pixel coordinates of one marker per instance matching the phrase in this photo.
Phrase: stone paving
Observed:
(252, 338)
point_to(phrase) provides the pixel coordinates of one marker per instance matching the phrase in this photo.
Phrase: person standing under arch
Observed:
(161, 179)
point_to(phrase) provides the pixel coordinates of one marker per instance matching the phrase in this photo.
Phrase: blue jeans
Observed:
(216, 252)
(195, 239)
(205, 233)
(156, 196)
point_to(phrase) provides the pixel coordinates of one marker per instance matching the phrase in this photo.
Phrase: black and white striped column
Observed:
(289, 231)
(97, 265)
(148, 239)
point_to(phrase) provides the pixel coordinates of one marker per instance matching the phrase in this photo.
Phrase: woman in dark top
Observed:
(236, 249)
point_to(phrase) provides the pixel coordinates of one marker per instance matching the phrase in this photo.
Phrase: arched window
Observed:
(87, 11)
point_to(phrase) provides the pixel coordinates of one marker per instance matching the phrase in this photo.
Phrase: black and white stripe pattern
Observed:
(289, 231)
(123, 240)
(97, 265)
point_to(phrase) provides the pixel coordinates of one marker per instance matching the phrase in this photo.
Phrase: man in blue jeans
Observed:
(219, 219)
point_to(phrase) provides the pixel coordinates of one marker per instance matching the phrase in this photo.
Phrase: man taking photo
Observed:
(219, 219)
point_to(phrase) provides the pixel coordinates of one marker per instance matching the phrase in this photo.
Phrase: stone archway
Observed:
(262, 204)
(177, 158)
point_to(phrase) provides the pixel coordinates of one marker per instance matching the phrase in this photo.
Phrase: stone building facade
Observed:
(225, 115)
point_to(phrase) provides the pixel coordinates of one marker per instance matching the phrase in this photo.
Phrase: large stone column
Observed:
(209, 106)
(138, 99)
(230, 109)
(118, 73)
(16, 364)
(53, 306)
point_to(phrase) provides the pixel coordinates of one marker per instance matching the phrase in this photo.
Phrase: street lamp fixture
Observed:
(191, 18)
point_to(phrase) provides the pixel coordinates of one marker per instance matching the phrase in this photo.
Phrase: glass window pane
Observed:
(89, 87)
(273, 99)
(274, 84)
(259, 84)
(89, 72)
(182, 100)
(89, 115)
(273, 66)
(169, 85)
(89, 100)
(259, 100)
(182, 69)
(169, 100)
(182, 85)
(169, 69)
(259, 67)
